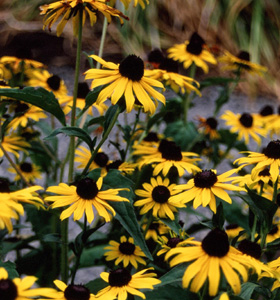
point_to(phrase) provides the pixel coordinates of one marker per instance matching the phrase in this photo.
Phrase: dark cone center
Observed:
(101, 159)
(169, 65)
(232, 226)
(216, 243)
(170, 151)
(114, 165)
(155, 56)
(151, 137)
(264, 172)
(212, 123)
(132, 67)
(21, 108)
(246, 120)
(173, 242)
(205, 179)
(87, 188)
(266, 111)
(76, 292)
(272, 150)
(26, 167)
(244, 55)
(8, 290)
(195, 45)
(83, 90)
(160, 194)
(273, 230)
(119, 277)
(4, 186)
(127, 248)
(54, 82)
(250, 248)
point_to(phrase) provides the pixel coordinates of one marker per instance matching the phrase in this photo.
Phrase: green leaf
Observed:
(91, 98)
(215, 81)
(10, 267)
(72, 131)
(218, 219)
(173, 225)
(247, 290)
(52, 238)
(222, 99)
(38, 97)
(90, 257)
(109, 116)
(96, 285)
(155, 119)
(174, 275)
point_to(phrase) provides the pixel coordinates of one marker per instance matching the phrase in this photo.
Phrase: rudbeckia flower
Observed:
(127, 79)
(13, 144)
(19, 288)
(70, 8)
(233, 230)
(208, 258)
(169, 243)
(157, 198)
(205, 186)
(192, 51)
(122, 283)
(275, 265)
(83, 197)
(30, 171)
(209, 127)
(156, 229)
(66, 292)
(241, 63)
(273, 234)
(125, 251)
(270, 158)
(166, 156)
(127, 2)
(245, 126)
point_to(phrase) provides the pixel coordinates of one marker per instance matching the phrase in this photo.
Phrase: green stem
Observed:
(64, 251)
(75, 94)
(275, 189)
(148, 224)
(102, 41)
(104, 138)
(187, 100)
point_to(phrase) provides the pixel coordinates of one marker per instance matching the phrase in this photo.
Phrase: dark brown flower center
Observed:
(173, 242)
(170, 151)
(160, 194)
(216, 243)
(54, 82)
(3, 83)
(127, 248)
(76, 292)
(114, 165)
(264, 172)
(132, 67)
(83, 90)
(232, 226)
(195, 45)
(205, 179)
(250, 248)
(244, 55)
(87, 188)
(266, 111)
(4, 186)
(8, 290)
(119, 277)
(154, 226)
(169, 65)
(272, 150)
(21, 108)
(151, 137)
(26, 167)
(101, 159)
(278, 199)
(212, 123)
(246, 120)
(273, 230)
(155, 56)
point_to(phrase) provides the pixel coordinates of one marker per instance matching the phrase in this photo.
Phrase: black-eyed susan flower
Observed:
(127, 79)
(209, 127)
(275, 265)
(30, 171)
(241, 63)
(156, 229)
(83, 197)
(48, 81)
(13, 144)
(67, 9)
(233, 230)
(245, 125)
(273, 234)
(19, 288)
(192, 51)
(67, 292)
(209, 258)
(126, 3)
(170, 242)
(166, 156)
(121, 283)
(205, 186)
(23, 113)
(125, 251)
(123, 167)
(157, 196)
(270, 158)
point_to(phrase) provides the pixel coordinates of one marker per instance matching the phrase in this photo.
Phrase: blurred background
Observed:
(234, 25)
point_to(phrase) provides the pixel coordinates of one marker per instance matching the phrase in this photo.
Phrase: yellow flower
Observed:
(127, 79)
(156, 229)
(192, 51)
(209, 127)
(30, 171)
(67, 9)
(126, 252)
(122, 283)
(13, 144)
(127, 2)
(83, 197)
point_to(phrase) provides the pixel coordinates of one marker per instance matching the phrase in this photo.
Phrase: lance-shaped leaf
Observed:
(38, 97)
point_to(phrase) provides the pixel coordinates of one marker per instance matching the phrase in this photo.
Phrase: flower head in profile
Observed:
(30, 171)
(192, 51)
(66, 292)
(205, 186)
(13, 144)
(157, 196)
(67, 9)
(155, 230)
(127, 79)
(82, 197)
(270, 158)
(209, 259)
(121, 283)
(245, 125)
(171, 242)
(209, 127)
(19, 288)
(241, 63)
(126, 252)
